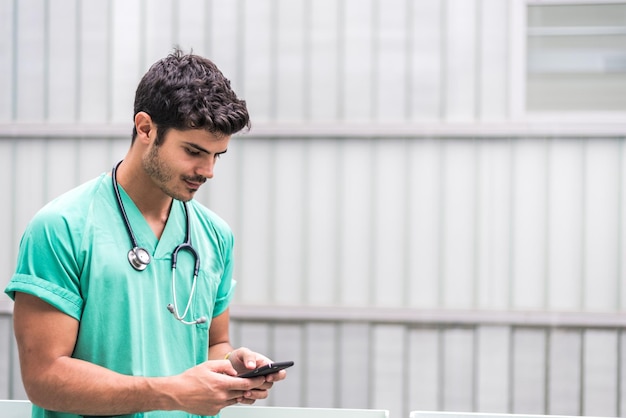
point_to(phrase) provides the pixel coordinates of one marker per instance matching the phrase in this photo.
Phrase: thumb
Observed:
(222, 366)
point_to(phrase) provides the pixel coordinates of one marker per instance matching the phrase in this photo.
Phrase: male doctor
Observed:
(105, 325)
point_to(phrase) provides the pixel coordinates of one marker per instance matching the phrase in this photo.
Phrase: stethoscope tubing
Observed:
(139, 257)
(120, 205)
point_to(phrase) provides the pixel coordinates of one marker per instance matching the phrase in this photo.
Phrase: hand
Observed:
(244, 359)
(208, 387)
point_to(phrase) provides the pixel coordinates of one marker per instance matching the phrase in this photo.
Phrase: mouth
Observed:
(194, 185)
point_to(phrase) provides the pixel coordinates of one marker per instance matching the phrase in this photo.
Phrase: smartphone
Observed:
(267, 369)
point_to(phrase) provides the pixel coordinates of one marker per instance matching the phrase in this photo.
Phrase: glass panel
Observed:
(576, 58)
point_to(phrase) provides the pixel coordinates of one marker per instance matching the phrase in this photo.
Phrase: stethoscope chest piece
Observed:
(139, 258)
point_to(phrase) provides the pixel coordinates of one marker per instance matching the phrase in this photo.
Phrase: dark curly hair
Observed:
(186, 91)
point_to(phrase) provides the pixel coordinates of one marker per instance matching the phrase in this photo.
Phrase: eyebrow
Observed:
(199, 148)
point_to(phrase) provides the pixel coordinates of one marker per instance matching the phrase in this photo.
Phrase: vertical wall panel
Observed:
(255, 189)
(157, 29)
(460, 60)
(493, 247)
(516, 77)
(357, 60)
(94, 159)
(61, 167)
(224, 31)
(6, 346)
(565, 374)
(288, 82)
(621, 228)
(119, 147)
(322, 256)
(565, 223)
(255, 336)
(321, 382)
(259, 18)
(289, 268)
(388, 345)
(29, 194)
(191, 25)
(390, 217)
(356, 229)
(459, 224)
(425, 378)
(425, 60)
(322, 72)
(391, 61)
(601, 378)
(622, 373)
(94, 104)
(424, 223)
(458, 370)
(493, 87)
(354, 366)
(125, 59)
(529, 225)
(528, 371)
(31, 63)
(492, 369)
(61, 76)
(601, 218)
(8, 229)
(7, 28)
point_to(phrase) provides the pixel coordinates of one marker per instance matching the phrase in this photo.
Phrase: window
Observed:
(576, 57)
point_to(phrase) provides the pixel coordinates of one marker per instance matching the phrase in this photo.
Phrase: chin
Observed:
(183, 197)
(187, 197)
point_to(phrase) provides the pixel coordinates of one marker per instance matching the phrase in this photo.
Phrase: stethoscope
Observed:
(139, 258)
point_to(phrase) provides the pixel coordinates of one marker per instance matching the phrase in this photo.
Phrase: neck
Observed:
(153, 204)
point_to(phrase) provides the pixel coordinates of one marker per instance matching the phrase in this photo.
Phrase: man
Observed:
(105, 331)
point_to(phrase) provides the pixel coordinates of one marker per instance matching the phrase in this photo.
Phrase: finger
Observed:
(265, 386)
(275, 377)
(238, 395)
(222, 366)
(249, 358)
(248, 383)
(235, 401)
(258, 394)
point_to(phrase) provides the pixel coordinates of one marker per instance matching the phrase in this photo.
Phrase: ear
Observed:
(146, 129)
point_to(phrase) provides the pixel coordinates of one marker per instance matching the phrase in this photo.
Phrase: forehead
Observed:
(200, 137)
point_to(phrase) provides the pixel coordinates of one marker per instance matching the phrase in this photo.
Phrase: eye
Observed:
(192, 152)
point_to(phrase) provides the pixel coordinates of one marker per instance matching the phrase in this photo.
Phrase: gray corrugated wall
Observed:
(293, 60)
(371, 179)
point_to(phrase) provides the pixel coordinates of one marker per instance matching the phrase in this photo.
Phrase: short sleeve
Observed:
(226, 288)
(47, 264)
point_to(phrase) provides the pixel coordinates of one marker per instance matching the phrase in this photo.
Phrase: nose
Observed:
(206, 169)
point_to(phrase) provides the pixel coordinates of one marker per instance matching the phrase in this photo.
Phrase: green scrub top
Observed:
(74, 256)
